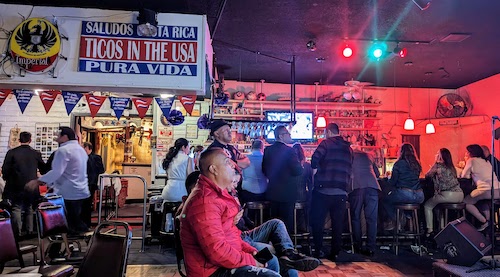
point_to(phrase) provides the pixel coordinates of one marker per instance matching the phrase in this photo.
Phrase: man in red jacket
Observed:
(211, 242)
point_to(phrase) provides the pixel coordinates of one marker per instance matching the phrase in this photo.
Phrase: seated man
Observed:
(211, 242)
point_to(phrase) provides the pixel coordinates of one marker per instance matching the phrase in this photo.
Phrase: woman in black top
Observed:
(405, 183)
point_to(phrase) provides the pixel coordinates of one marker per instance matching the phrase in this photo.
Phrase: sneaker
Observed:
(295, 260)
(483, 226)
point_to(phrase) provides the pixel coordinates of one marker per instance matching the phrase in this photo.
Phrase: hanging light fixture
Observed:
(429, 128)
(409, 123)
(147, 23)
(321, 122)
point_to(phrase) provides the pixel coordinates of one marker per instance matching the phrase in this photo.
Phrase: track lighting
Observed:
(401, 52)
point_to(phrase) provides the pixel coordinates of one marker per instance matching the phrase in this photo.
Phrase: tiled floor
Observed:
(328, 269)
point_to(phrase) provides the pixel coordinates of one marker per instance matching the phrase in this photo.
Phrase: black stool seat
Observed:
(300, 205)
(451, 206)
(408, 207)
(260, 206)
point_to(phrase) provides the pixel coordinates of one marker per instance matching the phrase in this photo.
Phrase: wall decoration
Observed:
(95, 103)
(165, 104)
(118, 104)
(188, 102)
(23, 98)
(4, 93)
(70, 100)
(14, 137)
(35, 45)
(45, 136)
(48, 98)
(191, 131)
(142, 105)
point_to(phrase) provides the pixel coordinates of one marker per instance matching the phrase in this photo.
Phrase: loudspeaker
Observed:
(461, 243)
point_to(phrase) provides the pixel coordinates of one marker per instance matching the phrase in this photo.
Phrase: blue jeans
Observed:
(321, 205)
(273, 231)
(247, 270)
(366, 199)
(401, 196)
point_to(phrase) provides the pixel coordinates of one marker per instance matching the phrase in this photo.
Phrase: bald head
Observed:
(217, 165)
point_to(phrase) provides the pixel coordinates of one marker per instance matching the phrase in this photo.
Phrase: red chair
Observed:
(10, 251)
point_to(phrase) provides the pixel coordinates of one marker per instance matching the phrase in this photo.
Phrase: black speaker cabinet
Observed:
(461, 243)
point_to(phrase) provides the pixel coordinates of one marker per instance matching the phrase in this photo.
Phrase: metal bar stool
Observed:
(260, 206)
(446, 207)
(306, 235)
(349, 224)
(414, 224)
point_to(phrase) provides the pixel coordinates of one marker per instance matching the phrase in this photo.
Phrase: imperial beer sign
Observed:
(107, 47)
(34, 45)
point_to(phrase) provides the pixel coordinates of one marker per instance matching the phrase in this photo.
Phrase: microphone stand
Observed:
(492, 264)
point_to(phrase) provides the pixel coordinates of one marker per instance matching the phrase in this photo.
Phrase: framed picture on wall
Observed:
(196, 108)
(191, 131)
(45, 135)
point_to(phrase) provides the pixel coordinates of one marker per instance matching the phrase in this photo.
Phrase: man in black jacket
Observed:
(332, 166)
(19, 167)
(284, 171)
(94, 168)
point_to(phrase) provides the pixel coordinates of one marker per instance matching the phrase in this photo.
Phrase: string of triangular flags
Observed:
(118, 104)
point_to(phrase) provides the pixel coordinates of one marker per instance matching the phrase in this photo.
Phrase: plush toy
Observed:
(239, 95)
(252, 96)
(261, 96)
(221, 98)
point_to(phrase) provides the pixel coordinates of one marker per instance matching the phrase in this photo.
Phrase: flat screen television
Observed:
(303, 129)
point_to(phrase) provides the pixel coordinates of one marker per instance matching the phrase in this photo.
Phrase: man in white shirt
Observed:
(68, 177)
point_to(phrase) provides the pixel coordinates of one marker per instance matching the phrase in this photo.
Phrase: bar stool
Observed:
(260, 206)
(446, 207)
(496, 217)
(299, 206)
(414, 224)
(349, 224)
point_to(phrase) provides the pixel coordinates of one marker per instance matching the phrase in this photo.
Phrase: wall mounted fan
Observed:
(451, 105)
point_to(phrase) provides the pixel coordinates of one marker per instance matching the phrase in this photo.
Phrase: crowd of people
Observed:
(213, 185)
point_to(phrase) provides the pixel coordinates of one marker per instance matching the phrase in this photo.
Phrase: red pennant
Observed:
(95, 103)
(142, 105)
(3, 95)
(188, 102)
(48, 98)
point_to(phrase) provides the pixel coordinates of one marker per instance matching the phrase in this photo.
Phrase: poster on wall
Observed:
(191, 131)
(45, 135)
(109, 47)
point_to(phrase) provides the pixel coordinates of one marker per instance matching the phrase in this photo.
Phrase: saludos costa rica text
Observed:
(107, 47)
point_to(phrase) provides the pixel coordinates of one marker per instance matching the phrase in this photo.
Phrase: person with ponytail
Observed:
(178, 166)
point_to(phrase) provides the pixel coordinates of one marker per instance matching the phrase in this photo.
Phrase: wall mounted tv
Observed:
(303, 130)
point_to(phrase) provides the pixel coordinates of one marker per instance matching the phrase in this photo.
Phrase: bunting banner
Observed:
(188, 102)
(4, 93)
(48, 97)
(142, 105)
(70, 100)
(23, 98)
(95, 103)
(119, 104)
(165, 104)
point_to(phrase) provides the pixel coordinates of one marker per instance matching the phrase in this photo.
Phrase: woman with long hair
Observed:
(405, 183)
(178, 165)
(446, 187)
(480, 170)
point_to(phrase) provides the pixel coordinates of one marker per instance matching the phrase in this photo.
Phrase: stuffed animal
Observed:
(261, 96)
(239, 95)
(252, 96)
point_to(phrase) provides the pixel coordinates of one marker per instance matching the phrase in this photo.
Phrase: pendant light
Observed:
(321, 121)
(409, 123)
(429, 128)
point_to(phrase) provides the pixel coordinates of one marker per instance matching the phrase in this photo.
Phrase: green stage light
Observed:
(377, 51)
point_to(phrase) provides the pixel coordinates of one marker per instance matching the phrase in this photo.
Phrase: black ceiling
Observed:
(249, 31)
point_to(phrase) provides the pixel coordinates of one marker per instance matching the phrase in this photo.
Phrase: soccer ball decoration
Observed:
(252, 96)
(261, 96)
(239, 95)
(175, 117)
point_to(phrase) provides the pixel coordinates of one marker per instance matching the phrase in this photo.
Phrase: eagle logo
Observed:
(35, 44)
(36, 36)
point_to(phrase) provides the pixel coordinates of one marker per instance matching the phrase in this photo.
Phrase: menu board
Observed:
(46, 133)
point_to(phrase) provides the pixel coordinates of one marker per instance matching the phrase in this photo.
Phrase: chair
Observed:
(10, 251)
(414, 225)
(260, 206)
(349, 224)
(295, 235)
(108, 252)
(179, 253)
(443, 212)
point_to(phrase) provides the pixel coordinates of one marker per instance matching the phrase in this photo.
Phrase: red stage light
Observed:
(402, 53)
(347, 51)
